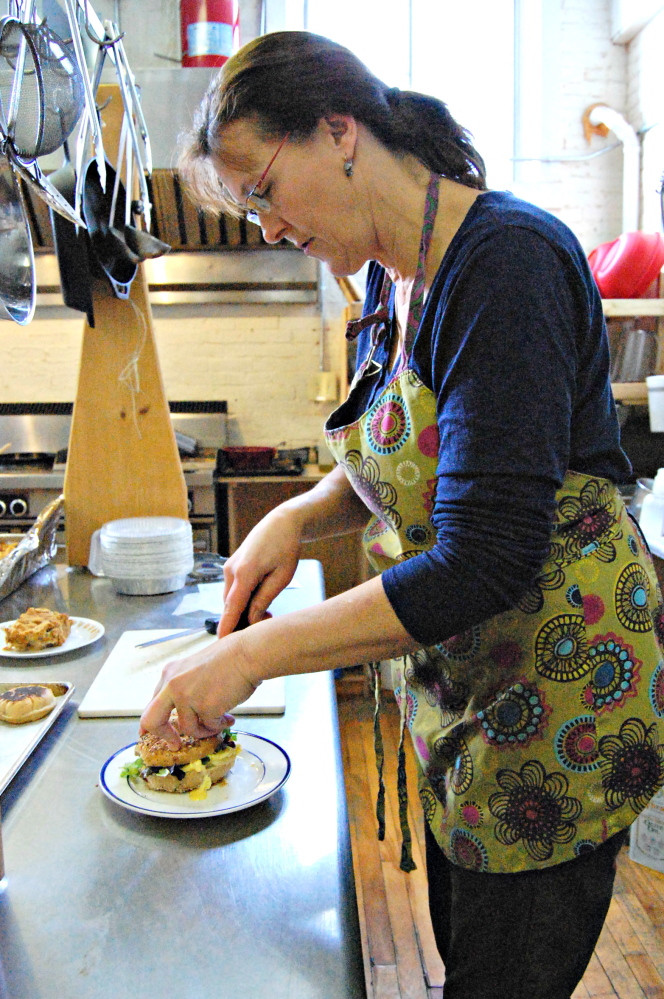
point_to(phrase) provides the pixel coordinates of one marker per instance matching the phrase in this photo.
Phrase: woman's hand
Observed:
(261, 568)
(266, 561)
(202, 688)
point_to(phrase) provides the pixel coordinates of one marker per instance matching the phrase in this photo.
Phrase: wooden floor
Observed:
(400, 956)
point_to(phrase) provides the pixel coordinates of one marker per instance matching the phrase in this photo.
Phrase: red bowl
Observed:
(249, 458)
(626, 267)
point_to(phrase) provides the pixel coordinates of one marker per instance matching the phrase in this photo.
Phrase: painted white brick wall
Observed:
(261, 364)
(581, 66)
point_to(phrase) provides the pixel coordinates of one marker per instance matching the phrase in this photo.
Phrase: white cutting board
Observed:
(126, 682)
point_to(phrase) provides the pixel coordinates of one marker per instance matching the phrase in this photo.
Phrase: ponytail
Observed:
(422, 125)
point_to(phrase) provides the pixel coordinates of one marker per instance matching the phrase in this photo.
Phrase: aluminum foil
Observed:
(34, 550)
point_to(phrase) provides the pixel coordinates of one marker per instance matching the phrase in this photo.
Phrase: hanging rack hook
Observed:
(102, 42)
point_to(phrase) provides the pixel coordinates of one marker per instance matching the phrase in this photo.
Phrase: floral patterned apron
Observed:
(540, 732)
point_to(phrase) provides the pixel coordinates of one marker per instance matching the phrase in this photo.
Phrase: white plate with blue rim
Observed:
(260, 769)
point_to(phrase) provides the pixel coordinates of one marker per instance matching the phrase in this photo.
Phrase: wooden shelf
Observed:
(631, 393)
(614, 307)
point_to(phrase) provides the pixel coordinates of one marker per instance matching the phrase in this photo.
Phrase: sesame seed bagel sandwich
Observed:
(194, 767)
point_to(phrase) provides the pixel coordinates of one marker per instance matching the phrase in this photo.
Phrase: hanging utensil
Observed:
(17, 264)
(71, 246)
(16, 39)
(31, 173)
(145, 207)
(116, 248)
(41, 85)
(84, 130)
(108, 249)
(138, 110)
(93, 118)
(118, 172)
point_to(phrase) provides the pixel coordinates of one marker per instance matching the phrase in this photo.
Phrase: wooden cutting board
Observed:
(123, 459)
(126, 682)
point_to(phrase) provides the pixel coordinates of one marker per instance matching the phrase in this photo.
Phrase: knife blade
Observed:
(211, 625)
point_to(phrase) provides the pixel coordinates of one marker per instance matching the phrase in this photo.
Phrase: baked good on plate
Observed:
(26, 703)
(37, 628)
(193, 768)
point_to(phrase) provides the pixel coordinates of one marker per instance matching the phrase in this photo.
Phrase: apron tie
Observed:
(379, 752)
(355, 326)
(407, 863)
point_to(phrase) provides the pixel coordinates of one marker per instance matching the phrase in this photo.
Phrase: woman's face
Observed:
(313, 204)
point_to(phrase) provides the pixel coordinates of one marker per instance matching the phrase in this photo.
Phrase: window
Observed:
(462, 54)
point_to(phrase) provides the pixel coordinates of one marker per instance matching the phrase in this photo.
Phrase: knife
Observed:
(211, 625)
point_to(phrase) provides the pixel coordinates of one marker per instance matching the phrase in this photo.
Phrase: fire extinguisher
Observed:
(210, 31)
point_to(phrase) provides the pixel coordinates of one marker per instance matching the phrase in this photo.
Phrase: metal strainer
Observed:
(41, 88)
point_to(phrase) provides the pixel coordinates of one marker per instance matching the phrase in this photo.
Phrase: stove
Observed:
(32, 469)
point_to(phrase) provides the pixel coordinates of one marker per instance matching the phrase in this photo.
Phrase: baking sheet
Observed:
(18, 741)
(126, 682)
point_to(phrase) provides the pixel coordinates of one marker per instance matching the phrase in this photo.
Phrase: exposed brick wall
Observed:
(581, 66)
(261, 364)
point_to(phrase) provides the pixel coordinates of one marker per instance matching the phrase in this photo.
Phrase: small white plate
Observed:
(260, 769)
(84, 631)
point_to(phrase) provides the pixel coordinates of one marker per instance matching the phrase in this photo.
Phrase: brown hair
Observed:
(287, 81)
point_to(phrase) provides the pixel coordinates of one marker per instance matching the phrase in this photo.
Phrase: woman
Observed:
(481, 436)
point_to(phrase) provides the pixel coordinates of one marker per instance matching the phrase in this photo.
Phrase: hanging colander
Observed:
(41, 88)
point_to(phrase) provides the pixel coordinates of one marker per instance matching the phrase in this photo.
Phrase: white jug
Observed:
(651, 520)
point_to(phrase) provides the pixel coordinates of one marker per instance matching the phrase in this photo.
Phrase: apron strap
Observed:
(379, 751)
(381, 317)
(407, 863)
(417, 292)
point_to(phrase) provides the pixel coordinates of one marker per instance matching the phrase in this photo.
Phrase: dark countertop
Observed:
(103, 902)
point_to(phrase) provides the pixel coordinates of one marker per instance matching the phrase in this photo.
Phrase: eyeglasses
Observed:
(255, 202)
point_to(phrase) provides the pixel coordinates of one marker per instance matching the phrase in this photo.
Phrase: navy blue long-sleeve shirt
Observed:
(513, 345)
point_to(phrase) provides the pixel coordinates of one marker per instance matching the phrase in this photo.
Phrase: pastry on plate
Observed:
(36, 629)
(26, 703)
(193, 768)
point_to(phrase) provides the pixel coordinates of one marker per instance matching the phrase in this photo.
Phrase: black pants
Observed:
(528, 935)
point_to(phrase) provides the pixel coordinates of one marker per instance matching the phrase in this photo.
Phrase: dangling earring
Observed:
(348, 168)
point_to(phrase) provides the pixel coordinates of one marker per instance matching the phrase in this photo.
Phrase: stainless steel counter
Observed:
(102, 902)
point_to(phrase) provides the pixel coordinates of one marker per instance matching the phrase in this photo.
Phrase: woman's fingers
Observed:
(156, 719)
(192, 724)
(237, 599)
(256, 600)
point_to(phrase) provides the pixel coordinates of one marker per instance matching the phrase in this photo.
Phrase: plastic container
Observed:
(143, 556)
(655, 385)
(149, 587)
(651, 520)
(646, 835)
